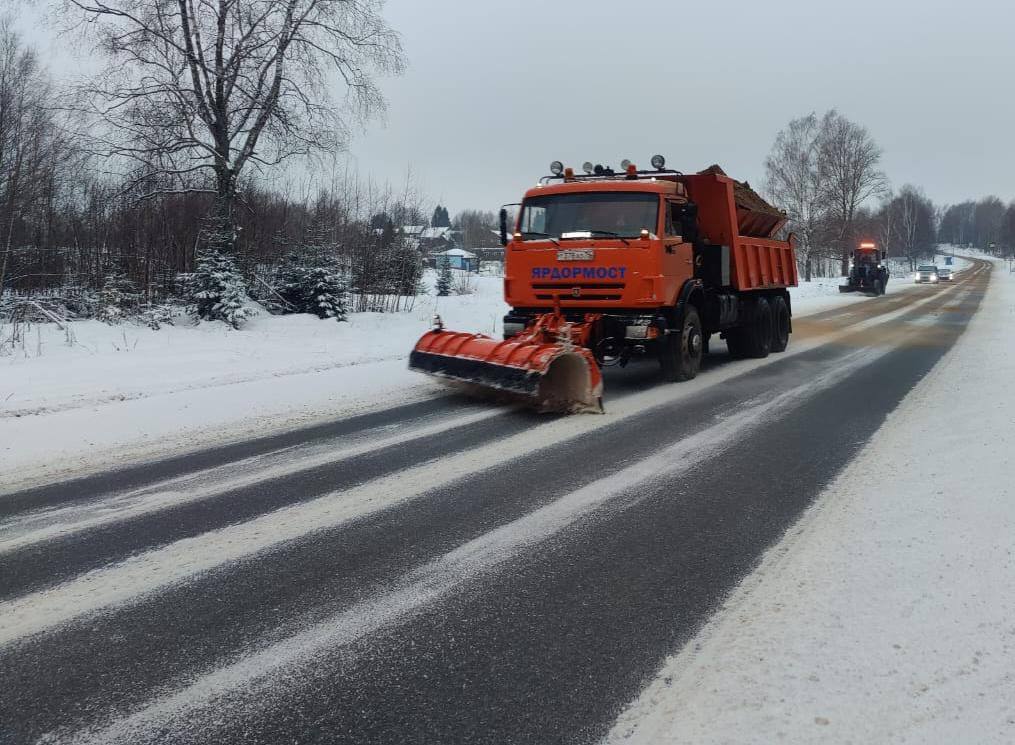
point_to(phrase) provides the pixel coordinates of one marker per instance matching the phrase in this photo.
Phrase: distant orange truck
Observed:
(607, 267)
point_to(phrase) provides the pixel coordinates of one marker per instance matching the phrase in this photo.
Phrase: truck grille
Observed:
(581, 285)
(586, 291)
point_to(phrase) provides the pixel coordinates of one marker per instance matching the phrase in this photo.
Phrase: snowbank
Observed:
(125, 392)
(886, 614)
(122, 362)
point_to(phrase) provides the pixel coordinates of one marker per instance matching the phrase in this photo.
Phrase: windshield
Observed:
(928, 268)
(624, 214)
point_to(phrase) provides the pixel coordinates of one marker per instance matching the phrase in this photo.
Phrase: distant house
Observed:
(458, 258)
(428, 239)
(433, 239)
(412, 234)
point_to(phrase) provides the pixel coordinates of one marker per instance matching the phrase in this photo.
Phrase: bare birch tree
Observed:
(849, 174)
(196, 92)
(30, 145)
(988, 217)
(793, 182)
(886, 225)
(913, 216)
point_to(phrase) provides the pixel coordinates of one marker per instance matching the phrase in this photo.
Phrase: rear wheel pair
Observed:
(767, 330)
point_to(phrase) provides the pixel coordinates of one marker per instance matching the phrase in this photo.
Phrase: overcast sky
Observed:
(495, 91)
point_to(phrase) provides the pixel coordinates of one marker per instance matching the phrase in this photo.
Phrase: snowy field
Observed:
(106, 394)
(887, 614)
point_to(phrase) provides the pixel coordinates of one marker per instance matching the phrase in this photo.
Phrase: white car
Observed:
(944, 274)
(926, 274)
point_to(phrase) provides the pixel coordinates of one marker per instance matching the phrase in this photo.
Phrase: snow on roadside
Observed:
(125, 392)
(822, 293)
(886, 614)
(120, 393)
(122, 362)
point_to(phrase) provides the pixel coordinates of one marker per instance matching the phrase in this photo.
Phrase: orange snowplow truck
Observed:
(611, 266)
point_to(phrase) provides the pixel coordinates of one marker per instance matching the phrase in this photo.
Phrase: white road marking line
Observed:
(149, 572)
(23, 530)
(433, 581)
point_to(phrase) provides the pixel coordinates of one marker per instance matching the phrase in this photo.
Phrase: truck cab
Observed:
(598, 245)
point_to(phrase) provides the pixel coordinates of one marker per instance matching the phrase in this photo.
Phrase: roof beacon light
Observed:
(588, 167)
(658, 162)
(632, 170)
(556, 168)
(569, 174)
(867, 244)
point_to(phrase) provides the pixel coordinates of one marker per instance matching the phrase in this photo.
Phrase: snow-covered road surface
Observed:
(437, 571)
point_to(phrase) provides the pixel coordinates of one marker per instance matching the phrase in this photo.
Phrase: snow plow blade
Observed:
(549, 376)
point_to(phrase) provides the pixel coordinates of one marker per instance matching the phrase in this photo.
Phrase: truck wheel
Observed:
(757, 334)
(754, 338)
(780, 324)
(681, 352)
(879, 289)
(736, 343)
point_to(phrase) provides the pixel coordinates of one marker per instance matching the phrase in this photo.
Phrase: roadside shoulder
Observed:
(885, 614)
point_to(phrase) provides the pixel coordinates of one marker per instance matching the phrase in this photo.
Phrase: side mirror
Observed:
(503, 227)
(884, 255)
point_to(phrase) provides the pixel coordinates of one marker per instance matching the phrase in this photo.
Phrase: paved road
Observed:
(443, 572)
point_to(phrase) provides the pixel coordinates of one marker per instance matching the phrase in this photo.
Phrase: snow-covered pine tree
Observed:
(328, 294)
(216, 288)
(310, 282)
(117, 297)
(444, 277)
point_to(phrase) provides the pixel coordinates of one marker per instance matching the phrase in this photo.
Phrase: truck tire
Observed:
(780, 323)
(879, 288)
(753, 339)
(680, 355)
(735, 344)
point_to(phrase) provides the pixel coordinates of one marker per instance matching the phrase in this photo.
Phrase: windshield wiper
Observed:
(544, 235)
(611, 234)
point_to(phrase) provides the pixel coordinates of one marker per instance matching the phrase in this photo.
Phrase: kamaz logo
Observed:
(579, 272)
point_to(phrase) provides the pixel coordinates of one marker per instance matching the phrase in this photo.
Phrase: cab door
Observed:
(677, 260)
